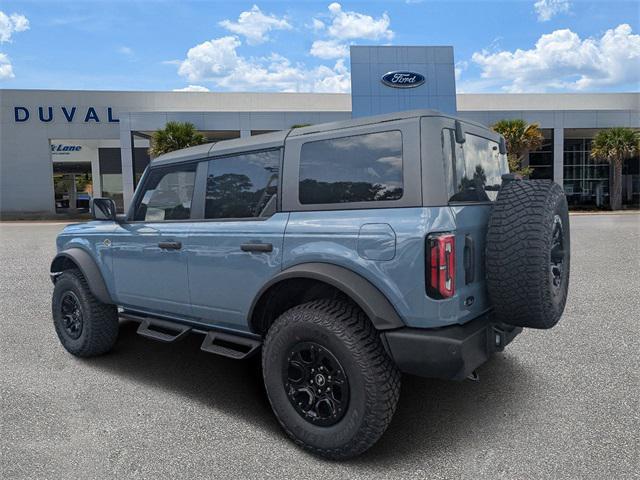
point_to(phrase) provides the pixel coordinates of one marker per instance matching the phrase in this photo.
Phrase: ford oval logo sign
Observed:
(403, 79)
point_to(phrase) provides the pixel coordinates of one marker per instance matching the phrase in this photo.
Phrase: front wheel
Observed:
(85, 326)
(330, 382)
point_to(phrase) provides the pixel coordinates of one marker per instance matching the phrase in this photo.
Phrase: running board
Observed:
(160, 330)
(229, 345)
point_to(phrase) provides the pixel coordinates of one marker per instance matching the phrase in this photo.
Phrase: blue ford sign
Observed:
(401, 79)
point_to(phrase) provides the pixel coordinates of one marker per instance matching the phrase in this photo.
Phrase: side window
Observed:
(167, 194)
(360, 168)
(477, 168)
(243, 186)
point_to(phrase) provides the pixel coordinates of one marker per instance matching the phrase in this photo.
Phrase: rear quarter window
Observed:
(359, 168)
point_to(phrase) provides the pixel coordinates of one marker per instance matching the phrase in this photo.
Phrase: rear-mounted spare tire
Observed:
(528, 253)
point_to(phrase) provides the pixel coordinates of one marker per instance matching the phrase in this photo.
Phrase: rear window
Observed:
(360, 168)
(475, 167)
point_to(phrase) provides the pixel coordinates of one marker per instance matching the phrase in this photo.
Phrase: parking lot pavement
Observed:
(557, 404)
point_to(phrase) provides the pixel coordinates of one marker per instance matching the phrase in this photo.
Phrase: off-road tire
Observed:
(99, 321)
(520, 239)
(373, 378)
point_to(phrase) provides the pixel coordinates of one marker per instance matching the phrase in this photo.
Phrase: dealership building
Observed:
(60, 147)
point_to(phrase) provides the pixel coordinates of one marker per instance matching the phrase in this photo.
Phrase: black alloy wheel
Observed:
(316, 384)
(556, 264)
(72, 319)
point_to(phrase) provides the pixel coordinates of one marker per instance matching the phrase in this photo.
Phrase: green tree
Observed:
(614, 146)
(174, 136)
(521, 138)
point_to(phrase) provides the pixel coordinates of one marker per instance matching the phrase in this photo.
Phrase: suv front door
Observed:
(150, 265)
(237, 247)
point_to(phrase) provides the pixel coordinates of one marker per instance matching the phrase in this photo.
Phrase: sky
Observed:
(303, 46)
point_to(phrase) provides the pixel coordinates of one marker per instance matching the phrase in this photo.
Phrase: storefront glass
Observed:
(541, 161)
(586, 181)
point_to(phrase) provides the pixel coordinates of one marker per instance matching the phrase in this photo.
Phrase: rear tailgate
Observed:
(471, 231)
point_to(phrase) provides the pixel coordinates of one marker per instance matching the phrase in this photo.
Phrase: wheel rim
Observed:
(557, 257)
(316, 384)
(71, 314)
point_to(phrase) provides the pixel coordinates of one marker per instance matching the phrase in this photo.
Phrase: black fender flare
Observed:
(87, 265)
(373, 302)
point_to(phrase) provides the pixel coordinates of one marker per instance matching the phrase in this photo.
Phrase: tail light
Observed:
(441, 265)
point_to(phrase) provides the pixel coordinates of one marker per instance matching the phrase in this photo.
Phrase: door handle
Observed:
(256, 247)
(170, 245)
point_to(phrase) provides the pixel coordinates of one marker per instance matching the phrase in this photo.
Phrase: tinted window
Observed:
(477, 168)
(361, 168)
(243, 186)
(167, 194)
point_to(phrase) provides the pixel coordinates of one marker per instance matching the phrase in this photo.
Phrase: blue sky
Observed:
(508, 46)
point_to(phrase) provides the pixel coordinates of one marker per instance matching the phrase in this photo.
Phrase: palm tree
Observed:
(174, 136)
(521, 138)
(614, 146)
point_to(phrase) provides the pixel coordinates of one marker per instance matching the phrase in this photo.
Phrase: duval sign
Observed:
(402, 79)
(65, 113)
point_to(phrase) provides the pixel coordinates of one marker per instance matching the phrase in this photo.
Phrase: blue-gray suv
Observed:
(343, 253)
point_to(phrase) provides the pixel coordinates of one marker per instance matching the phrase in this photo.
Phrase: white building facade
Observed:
(58, 148)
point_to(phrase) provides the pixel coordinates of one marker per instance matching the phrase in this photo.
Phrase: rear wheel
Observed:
(528, 254)
(330, 382)
(85, 326)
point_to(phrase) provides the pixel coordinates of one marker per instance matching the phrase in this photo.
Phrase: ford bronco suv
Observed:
(343, 254)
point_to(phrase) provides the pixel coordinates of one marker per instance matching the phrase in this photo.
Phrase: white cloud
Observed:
(212, 58)
(328, 49)
(124, 50)
(10, 24)
(255, 25)
(192, 88)
(561, 60)
(352, 25)
(460, 67)
(345, 26)
(317, 25)
(217, 61)
(547, 9)
(6, 69)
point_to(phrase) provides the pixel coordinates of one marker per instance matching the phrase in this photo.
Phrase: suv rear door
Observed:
(237, 247)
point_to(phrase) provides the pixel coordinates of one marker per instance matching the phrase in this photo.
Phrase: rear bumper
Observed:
(452, 352)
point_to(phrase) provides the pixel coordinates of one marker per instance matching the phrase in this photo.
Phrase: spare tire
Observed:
(528, 253)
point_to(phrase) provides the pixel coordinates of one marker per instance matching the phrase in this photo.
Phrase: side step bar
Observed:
(229, 345)
(162, 330)
(220, 343)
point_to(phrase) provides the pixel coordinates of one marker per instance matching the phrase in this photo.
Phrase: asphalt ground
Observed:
(556, 404)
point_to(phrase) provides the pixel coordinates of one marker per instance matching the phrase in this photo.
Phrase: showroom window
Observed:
(541, 160)
(359, 168)
(586, 180)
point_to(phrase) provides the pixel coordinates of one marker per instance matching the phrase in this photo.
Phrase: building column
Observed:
(126, 160)
(558, 156)
(245, 133)
(96, 183)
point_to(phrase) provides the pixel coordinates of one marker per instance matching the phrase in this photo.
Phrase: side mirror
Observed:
(459, 132)
(503, 146)
(103, 209)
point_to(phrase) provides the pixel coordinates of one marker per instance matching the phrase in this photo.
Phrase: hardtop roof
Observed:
(277, 139)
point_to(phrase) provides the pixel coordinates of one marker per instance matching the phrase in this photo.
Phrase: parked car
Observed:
(343, 254)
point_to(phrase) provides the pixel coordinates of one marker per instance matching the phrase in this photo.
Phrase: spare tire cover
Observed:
(528, 253)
